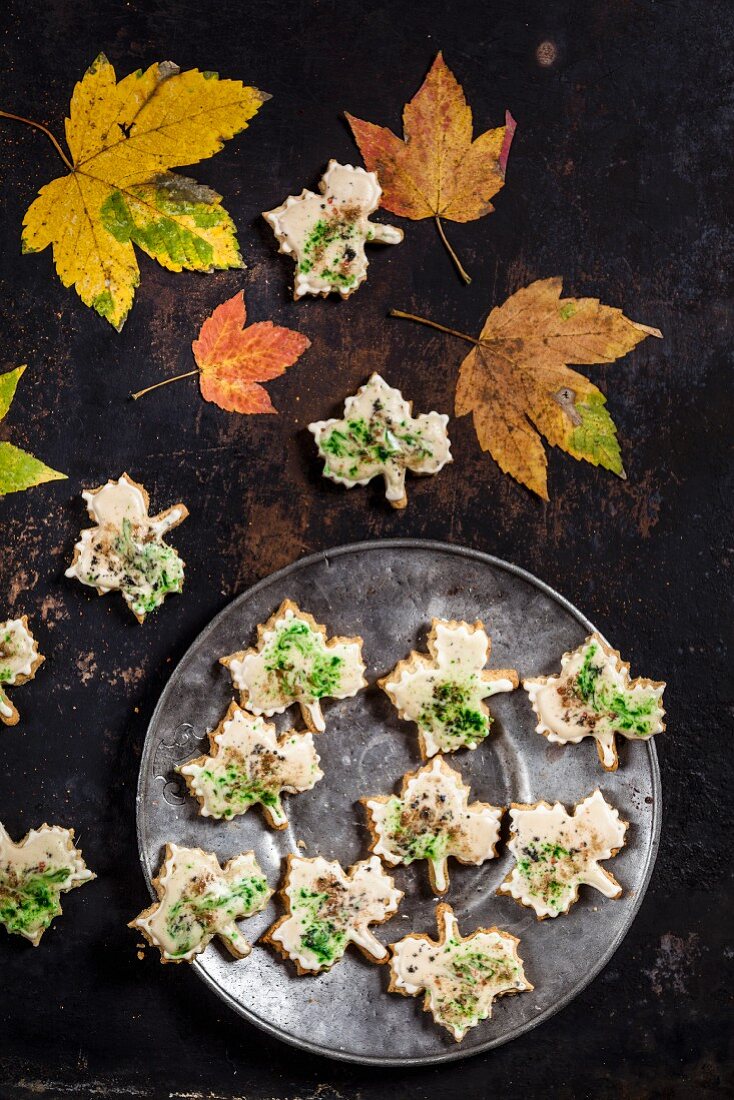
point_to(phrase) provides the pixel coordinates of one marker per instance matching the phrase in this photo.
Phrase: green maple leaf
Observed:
(19, 470)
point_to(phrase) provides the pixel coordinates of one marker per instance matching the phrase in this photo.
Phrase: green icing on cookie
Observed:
(302, 662)
(405, 837)
(149, 570)
(321, 935)
(29, 902)
(237, 790)
(450, 716)
(619, 706)
(550, 870)
(194, 916)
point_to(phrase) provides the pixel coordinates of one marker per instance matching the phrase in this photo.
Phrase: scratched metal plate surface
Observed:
(388, 592)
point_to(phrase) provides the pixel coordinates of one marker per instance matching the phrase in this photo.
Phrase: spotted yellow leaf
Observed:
(123, 137)
(518, 385)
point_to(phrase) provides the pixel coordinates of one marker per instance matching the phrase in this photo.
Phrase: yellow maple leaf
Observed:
(518, 386)
(123, 137)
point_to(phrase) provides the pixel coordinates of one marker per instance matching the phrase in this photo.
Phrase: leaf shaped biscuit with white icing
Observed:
(329, 908)
(379, 436)
(432, 819)
(295, 662)
(33, 875)
(556, 853)
(125, 552)
(249, 764)
(19, 662)
(198, 900)
(326, 233)
(461, 977)
(594, 697)
(443, 692)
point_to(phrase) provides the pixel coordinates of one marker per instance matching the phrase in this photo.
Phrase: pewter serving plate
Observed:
(388, 592)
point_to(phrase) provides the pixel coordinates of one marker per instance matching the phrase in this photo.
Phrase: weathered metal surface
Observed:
(388, 593)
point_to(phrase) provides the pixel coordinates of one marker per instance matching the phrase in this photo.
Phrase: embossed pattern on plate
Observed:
(388, 592)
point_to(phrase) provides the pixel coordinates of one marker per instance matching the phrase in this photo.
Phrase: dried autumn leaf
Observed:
(518, 386)
(233, 359)
(123, 137)
(436, 170)
(19, 470)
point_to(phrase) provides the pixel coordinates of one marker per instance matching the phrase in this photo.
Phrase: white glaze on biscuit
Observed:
(329, 908)
(443, 692)
(19, 659)
(594, 697)
(33, 873)
(461, 977)
(326, 233)
(378, 435)
(556, 853)
(432, 819)
(125, 550)
(294, 662)
(248, 765)
(198, 899)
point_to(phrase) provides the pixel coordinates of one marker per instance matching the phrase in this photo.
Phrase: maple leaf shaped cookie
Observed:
(594, 697)
(443, 692)
(19, 662)
(326, 233)
(437, 170)
(125, 552)
(198, 899)
(379, 436)
(249, 764)
(33, 875)
(432, 819)
(557, 852)
(295, 662)
(461, 977)
(329, 908)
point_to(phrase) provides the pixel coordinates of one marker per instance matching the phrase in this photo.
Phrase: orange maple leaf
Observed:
(232, 359)
(436, 170)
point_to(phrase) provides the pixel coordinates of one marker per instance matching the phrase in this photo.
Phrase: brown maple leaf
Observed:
(436, 170)
(518, 386)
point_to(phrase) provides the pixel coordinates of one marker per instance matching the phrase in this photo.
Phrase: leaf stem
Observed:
(157, 385)
(452, 254)
(433, 324)
(44, 130)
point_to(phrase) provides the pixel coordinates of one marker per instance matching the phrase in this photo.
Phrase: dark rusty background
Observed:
(619, 180)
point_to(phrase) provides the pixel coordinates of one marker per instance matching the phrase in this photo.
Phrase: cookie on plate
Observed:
(326, 234)
(33, 875)
(460, 976)
(443, 692)
(250, 764)
(433, 819)
(556, 853)
(19, 662)
(295, 662)
(378, 436)
(329, 908)
(594, 697)
(125, 550)
(198, 899)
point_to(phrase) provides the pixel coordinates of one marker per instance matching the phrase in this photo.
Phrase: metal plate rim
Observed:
(491, 1043)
